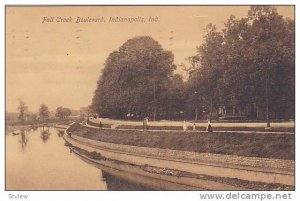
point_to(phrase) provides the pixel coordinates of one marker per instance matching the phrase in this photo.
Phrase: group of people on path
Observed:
(208, 128)
(184, 125)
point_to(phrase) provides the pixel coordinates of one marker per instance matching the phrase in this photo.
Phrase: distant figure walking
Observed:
(145, 123)
(194, 127)
(184, 127)
(209, 127)
(100, 125)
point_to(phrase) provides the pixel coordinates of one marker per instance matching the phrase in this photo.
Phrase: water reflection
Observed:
(45, 133)
(46, 166)
(34, 127)
(60, 133)
(53, 166)
(116, 183)
(71, 150)
(24, 140)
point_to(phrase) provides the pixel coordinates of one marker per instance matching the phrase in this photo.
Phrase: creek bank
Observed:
(238, 183)
(275, 146)
(14, 126)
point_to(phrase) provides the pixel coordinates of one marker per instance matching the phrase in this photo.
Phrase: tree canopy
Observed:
(250, 63)
(135, 80)
(62, 112)
(23, 110)
(44, 112)
(245, 69)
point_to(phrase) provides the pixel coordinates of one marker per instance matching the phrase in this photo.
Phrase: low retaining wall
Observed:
(157, 181)
(61, 126)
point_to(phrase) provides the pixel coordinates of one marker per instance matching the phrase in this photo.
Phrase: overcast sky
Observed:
(59, 63)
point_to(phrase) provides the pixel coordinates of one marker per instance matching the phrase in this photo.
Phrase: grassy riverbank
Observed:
(280, 146)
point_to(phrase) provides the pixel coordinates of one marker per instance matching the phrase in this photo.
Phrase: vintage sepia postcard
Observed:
(141, 98)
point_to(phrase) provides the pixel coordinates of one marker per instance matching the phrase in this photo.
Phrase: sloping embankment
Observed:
(277, 146)
(242, 168)
(223, 166)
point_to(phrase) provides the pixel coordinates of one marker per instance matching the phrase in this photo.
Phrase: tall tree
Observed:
(209, 69)
(23, 109)
(134, 80)
(44, 112)
(235, 84)
(272, 47)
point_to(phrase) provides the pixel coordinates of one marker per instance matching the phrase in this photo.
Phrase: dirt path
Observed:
(203, 124)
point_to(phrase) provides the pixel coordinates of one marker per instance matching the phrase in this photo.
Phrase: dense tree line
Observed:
(43, 113)
(246, 69)
(62, 112)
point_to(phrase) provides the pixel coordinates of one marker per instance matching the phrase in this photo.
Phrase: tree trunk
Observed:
(154, 101)
(267, 100)
(211, 108)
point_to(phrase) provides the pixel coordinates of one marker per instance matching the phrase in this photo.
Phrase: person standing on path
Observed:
(184, 127)
(194, 127)
(146, 123)
(209, 127)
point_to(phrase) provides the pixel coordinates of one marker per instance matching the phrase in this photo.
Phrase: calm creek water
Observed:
(37, 159)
